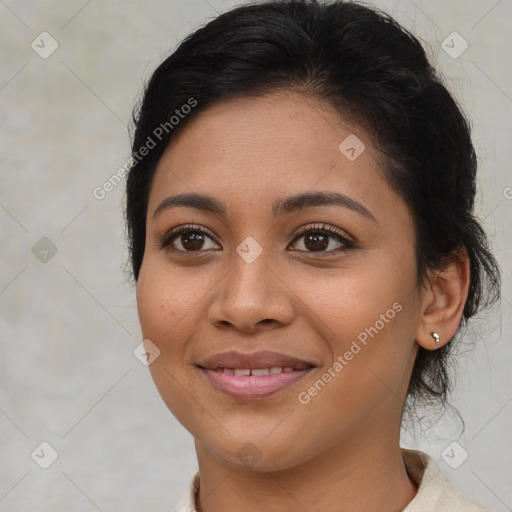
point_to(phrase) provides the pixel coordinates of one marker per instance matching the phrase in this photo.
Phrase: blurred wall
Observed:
(70, 74)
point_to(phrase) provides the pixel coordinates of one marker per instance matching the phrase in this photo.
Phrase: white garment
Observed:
(434, 494)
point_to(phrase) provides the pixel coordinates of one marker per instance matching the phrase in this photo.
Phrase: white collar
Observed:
(434, 494)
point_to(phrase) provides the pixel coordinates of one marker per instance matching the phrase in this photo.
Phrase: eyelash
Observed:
(165, 240)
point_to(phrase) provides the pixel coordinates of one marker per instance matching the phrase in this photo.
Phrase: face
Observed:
(302, 249)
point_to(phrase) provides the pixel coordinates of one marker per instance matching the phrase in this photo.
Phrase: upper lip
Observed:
(262, 359)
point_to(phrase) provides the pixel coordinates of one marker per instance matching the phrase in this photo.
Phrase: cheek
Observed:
(367, 316)
(164, 298)
(165, 306)
(347, 301)
(162, 303)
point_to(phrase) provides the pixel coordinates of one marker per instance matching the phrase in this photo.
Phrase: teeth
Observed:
(244, 372)
(260, 371)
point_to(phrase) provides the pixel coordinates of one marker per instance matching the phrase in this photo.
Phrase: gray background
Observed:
(69, 324)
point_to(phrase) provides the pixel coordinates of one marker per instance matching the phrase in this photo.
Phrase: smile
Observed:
(256, 371)
(249, 384)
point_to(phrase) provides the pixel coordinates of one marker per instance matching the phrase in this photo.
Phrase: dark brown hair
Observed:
(368, 68)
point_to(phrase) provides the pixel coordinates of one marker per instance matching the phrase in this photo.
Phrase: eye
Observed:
(319, 238)
(191, 238)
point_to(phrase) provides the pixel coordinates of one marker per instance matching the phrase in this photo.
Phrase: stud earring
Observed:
(436, 337)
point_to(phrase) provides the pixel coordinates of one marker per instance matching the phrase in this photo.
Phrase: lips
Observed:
(254, 361)
(253, 376)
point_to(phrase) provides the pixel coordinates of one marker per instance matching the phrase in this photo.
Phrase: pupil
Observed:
(192, 241)
(318, 240)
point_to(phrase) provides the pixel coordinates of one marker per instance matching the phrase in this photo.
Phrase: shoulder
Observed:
(188, 501)
(434, 494)
(455, 499)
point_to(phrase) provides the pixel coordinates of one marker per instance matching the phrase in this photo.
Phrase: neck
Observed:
(359, 475)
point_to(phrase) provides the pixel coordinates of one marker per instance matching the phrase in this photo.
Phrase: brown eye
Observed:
(316, 241)
(192, 241)
(188, 239)
(322, 239)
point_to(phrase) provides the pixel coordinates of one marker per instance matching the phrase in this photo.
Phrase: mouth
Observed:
(252, 376)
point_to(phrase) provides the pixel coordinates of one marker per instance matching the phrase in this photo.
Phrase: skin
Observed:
(342, 446)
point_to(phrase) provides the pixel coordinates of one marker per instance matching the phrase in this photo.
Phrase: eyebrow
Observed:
(281, 207)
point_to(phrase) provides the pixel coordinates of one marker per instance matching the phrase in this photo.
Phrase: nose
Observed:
(252, 297)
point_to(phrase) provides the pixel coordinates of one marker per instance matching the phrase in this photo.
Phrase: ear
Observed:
(443, 300)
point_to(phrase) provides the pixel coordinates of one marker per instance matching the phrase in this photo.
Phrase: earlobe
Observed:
(443, 302)
(436, 337)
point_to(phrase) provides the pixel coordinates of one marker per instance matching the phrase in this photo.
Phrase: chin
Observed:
(259, 454)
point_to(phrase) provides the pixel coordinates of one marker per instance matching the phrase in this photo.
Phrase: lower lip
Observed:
(253, 386)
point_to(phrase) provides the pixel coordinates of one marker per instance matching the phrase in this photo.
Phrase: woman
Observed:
(300, 219)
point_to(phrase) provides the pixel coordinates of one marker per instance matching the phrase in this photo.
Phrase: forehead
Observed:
(276, 127)
(253, 150)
